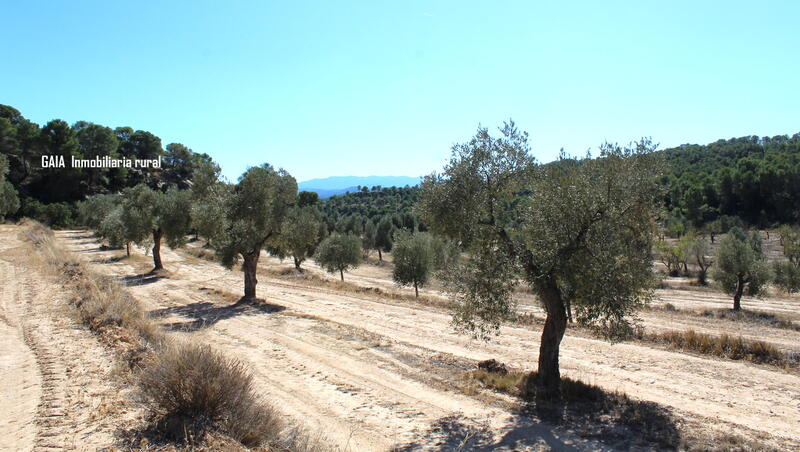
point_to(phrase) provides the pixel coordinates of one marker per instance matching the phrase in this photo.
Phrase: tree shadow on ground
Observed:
(585, 417)
(142, 279)
(206, 314)
(456, 433)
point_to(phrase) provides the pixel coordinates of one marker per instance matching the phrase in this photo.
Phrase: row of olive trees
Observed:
(260, 212)
(237, 219)
(739, 263)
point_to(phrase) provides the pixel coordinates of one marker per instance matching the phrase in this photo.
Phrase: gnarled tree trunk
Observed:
(128, 249)
(157, 235)
(547, 383)
(737, 297)
(249, 267)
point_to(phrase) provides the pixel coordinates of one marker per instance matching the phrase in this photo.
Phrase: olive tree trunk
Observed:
(157, 235)
(547, 383)
(737, 297)
(128, 249)
(341, 274)
(249, 267)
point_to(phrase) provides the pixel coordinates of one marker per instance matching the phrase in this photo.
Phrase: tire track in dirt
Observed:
(79, 406)
(20, 380)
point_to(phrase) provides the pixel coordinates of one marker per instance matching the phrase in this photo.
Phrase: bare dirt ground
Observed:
(370, 373)
(57, 388)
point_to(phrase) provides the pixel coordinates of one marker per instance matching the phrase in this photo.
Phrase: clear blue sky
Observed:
(385, 88)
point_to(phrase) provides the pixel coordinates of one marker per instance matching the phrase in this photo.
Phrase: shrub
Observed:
(725, 346)
(191, 389)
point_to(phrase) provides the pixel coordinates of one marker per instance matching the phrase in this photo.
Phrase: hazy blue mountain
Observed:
(337, 185)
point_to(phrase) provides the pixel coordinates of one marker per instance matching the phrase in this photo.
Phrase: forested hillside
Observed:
(755, 179)
(50, 194)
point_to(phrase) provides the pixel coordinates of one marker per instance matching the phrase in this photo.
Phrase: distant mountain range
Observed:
(337, 185)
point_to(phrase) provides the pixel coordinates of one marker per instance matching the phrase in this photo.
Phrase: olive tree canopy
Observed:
(164, 216)
(339, 252)
(579, 232)
(257, 208)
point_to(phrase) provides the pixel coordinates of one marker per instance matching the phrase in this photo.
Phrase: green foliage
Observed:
(749, 177)
(384, 233)
(307, 198)
(581, 227)
(299, 235)
(23, 144)
(94, 210)
(790, 241)
(339, 252)
(208, 212)
(787, 276)
(148, 213)
(256, 211)
(173, 216)
(374, 203)
(670, 256)
(139, 212)
(114, 229)
(368, 236)
(9, 201)
(413, 259)
(700, 252)
(787, 273)
(740, 264)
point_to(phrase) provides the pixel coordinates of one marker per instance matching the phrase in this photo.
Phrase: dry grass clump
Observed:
(191, 389)
(725, 346)
(202, 253)
(765, 318)
(99, 301)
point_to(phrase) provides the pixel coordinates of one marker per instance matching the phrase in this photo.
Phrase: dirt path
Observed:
(20, 380)
(372, 374)
(56, 387)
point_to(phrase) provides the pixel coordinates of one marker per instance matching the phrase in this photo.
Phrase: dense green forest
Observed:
(754, 179)
(51, 194)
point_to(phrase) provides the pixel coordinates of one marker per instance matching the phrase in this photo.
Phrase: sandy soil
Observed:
(370, 373)
(57, 386)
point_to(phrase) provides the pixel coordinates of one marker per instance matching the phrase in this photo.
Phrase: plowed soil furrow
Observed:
(351, 386)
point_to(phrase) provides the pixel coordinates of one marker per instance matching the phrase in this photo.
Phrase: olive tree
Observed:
(104, 215)
(700, 252)
(162, 216)
(298, 237)
(339, 252)
(579, 232)
(413, 259)
(256, 211)
(740, 265)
